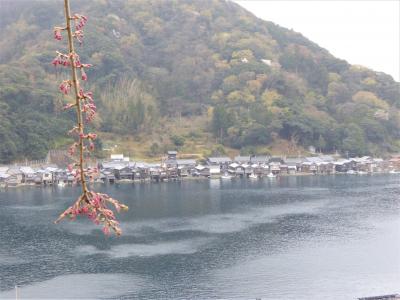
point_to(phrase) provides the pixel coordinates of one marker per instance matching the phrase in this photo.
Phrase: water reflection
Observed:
(303, 237)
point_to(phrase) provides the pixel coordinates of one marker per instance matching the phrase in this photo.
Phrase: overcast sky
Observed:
(361, 32)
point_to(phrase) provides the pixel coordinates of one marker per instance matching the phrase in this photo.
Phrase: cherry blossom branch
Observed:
(89, 203)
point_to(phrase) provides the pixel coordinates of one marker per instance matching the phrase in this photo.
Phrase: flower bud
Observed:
(84, 76)
(106, 230)
(57, 34)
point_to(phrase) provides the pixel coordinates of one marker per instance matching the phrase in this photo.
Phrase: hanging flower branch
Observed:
(89, 203)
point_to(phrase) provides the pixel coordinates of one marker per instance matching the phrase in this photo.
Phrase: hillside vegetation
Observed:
(191, 75)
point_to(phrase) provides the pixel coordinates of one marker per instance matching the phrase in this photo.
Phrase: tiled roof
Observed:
(186, 161)
(242, 159)
(219, 160)
(259, 159)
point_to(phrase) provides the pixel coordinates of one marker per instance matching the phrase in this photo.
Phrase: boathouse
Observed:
(223, 162)
(275, 167)
(242, 159)
(185, 166)
(293, 165)
(215, 171)
(203, 170)
(260, 159)
(16, 176)
(28, 175)
(124, 173)
(394, 163)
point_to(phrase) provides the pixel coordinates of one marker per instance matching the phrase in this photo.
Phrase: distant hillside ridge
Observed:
(191, 75)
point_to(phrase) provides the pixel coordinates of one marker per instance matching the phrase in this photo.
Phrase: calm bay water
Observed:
(310, 237)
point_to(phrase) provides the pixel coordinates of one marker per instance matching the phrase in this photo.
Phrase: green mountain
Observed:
(191, 75)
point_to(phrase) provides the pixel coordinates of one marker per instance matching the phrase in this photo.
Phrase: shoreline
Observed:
(186, 178)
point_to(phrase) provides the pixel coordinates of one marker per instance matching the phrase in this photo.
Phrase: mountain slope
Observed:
(248, 82)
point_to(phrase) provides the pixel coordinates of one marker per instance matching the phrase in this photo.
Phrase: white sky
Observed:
(361, 32)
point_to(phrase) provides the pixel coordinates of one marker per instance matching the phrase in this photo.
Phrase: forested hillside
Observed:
(241, 82)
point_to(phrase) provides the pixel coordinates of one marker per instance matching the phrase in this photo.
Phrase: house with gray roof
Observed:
(311, 164)
(203, 170)
(16, 176)
(259, 159)
(3, 178)
(221, 160)
(275, 167)
(327, 158)
(318, 164)
(242, 159)
(276, 159)
(185, 166)
(44, 176)
(186, 162)
(125, 173)
(293, 164)
(29, 175)
(342, 165)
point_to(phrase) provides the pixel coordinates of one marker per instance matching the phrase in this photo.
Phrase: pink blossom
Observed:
(62, 60)
(77, 61)
(68, 106)
(65, 87)
(96, 200)
(109, 213)
(81, 93)
(82, 135)
(57, 34)
(92, 136)
(89, 118)
(84, 76)
(91, 215)
(57, 61)
(82, 21)
(79, 36)
(91, 204)
(90, 111)
(73, 130)
(106, 230)
(88, 96)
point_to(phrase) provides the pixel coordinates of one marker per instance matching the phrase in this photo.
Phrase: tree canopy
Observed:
(161, 60)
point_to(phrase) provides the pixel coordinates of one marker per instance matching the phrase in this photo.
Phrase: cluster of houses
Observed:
(119, 168)
(43, 175)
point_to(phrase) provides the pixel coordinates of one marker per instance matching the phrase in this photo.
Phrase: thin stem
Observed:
(75, 84)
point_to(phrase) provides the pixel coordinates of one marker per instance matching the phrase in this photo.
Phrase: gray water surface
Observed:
(311, 237)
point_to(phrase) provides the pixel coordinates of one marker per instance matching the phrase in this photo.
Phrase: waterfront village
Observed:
(119, 168)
